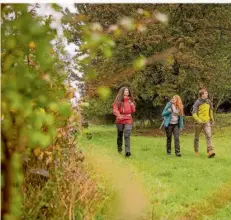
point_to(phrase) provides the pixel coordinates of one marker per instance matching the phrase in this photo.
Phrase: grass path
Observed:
(132, 200)
(165, 188)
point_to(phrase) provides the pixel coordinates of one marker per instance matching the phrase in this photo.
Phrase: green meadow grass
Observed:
(222, 214)
(175, 185)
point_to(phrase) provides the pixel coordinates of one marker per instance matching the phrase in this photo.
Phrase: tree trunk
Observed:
(7, 174)
(152, 123)
(218, 103)
(212, 98)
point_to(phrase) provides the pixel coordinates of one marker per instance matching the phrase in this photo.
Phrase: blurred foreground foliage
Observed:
(42, 171)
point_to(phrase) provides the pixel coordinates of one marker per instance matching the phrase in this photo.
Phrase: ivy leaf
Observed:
(56, 7)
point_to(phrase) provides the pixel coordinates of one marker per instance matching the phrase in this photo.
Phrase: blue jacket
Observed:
(167, 116)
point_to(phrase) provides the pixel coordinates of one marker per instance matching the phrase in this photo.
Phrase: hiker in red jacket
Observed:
(123, 107)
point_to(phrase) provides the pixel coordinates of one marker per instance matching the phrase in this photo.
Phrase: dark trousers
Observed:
(123, 130)
(173, 129)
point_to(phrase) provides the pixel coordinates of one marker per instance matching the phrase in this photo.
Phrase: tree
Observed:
(193, 30)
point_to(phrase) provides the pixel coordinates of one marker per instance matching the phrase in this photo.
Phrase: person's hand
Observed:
(130, 102)
(181, 129)
(199, 121)
(213, 123)
(120, 117)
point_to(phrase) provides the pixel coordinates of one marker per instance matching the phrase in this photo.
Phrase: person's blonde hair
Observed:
(179, 104)
(202, 91)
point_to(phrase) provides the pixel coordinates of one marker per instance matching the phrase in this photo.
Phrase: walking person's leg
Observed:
(168, 131)
(127, 134)
(176, 134)
(120, 128)
(198, 128)
(208, 135)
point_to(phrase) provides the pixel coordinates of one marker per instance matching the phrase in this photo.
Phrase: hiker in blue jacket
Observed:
(173, 122)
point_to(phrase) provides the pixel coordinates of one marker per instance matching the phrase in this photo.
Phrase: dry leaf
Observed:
(40, 157)
(39, 171)
(37, 151)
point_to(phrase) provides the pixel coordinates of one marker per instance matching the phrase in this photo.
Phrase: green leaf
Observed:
(39, 139)
(139, 63)
(65, 109)
(49, 119)
(56, 7)
(53, 106)
(104, 92)
(11, 43)
(37, 30)
(107, 52)
(90, 74)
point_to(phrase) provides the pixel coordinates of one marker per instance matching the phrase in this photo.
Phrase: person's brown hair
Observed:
(120, 96)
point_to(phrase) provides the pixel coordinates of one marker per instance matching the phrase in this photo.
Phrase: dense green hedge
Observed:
(221, 120)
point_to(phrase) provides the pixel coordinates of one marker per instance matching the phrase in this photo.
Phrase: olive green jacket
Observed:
(203, 110)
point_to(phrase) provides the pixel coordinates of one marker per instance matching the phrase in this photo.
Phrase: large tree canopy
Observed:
(199, 36)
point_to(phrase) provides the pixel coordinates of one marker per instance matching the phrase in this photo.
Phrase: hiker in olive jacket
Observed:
(203, 115)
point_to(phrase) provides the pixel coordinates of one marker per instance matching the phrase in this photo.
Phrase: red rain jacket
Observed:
(125, 111)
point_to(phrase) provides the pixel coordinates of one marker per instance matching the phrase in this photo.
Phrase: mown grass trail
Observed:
(185, 188)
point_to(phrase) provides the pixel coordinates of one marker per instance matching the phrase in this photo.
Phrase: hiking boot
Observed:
(178, 154)
(211, 154)
(128, 154)
(197, 154)
(120, 151)
(169, 154)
